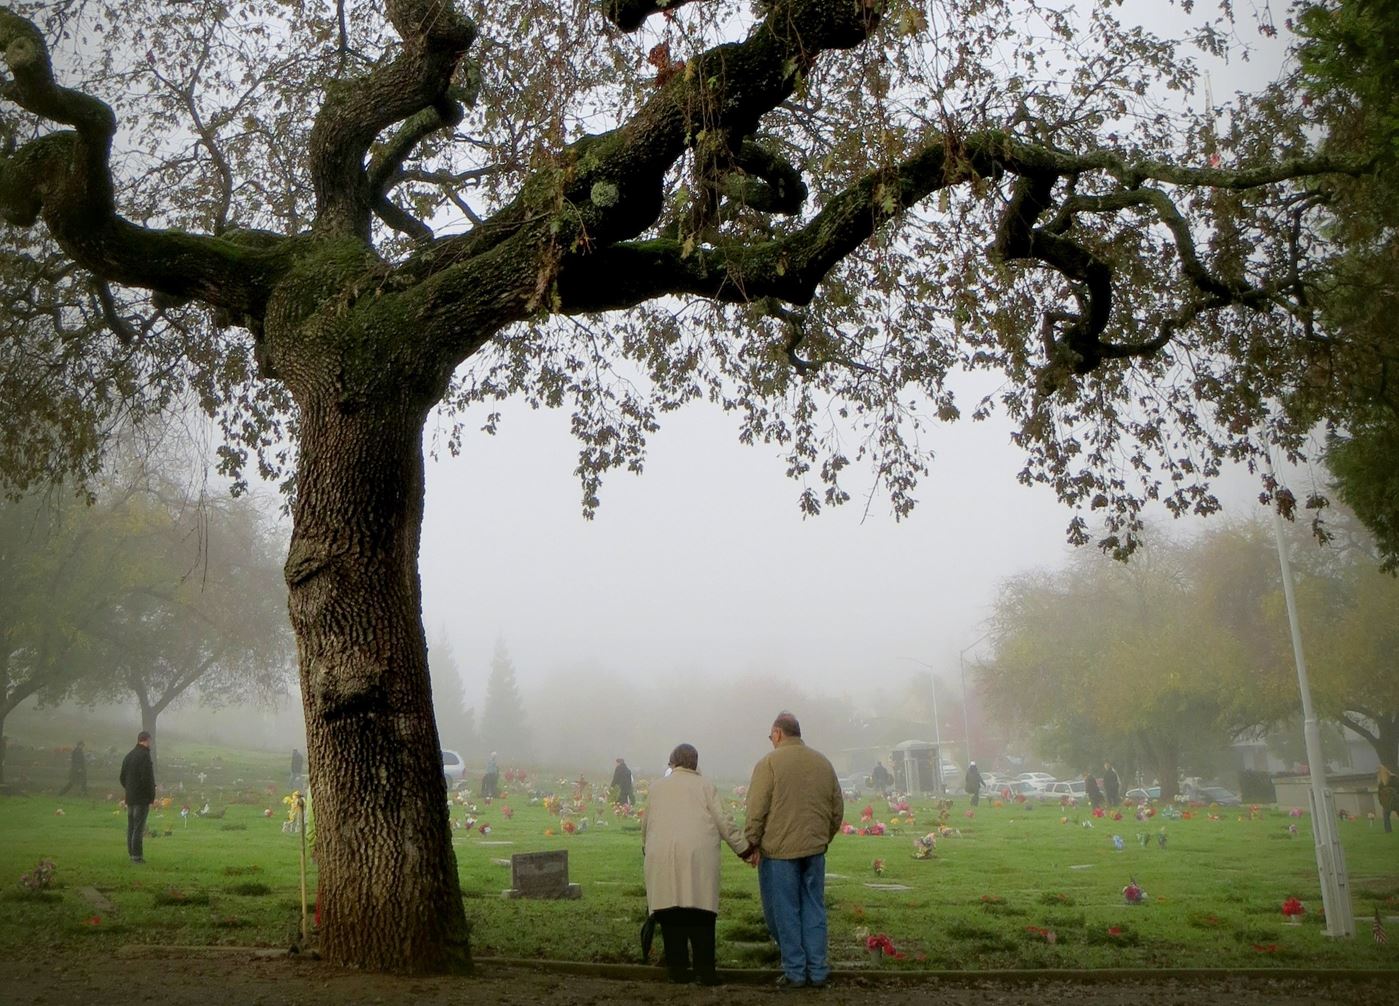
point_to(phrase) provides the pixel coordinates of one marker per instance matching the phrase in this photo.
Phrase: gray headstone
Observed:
(541, 875)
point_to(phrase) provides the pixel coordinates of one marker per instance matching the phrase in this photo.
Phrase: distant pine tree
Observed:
(456, 724)
(503, 727)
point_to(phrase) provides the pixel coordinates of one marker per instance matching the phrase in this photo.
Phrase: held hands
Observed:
(751, 856)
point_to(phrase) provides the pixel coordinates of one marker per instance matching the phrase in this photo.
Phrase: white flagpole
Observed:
(1330, 857)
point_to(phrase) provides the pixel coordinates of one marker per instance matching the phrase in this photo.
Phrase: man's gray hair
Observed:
(685, 756)
(788, 724)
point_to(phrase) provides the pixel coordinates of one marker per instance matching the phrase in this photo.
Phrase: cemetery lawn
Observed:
(1011, 888)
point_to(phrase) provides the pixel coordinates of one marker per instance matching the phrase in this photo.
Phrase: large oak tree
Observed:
(330, 221)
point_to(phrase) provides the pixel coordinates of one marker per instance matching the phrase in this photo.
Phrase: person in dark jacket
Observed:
(972, 784)
(1112, 785)
(1387, 786)
(621, 778)
(1090, 788)
(77, 772)
(138, 780)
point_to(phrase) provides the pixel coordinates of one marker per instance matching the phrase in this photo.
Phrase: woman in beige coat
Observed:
(681, 831)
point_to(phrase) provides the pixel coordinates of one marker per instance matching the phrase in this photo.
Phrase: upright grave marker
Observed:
(541, 875)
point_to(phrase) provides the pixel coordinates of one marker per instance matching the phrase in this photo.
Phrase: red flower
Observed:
(881, 943)
(1292, 907)
(1266, 948)
(1114, 931)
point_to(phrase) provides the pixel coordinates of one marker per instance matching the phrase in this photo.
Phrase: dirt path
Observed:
(173, 978)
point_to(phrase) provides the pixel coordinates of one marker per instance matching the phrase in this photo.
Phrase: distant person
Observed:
(138, 780)
(881, 777)
(490, 779)
(77, 771)
(1091, 789)
(795, 808)
(680, 833)
(1112, 785)
(972, 784)
(621, 778)
(296, 764)
(1388, 793)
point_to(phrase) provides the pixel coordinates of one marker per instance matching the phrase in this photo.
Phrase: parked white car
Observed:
(1076, 789)
(453, 768)
(1039, 780)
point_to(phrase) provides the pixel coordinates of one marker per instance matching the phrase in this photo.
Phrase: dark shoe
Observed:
(783, 982)
(137, 859)
(709, 979)
(679, 977)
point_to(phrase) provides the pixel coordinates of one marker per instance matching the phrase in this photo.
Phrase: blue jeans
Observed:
(794, 906)
(136, 828)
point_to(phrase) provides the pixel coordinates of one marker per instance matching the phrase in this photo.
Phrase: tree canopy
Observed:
(328, 221)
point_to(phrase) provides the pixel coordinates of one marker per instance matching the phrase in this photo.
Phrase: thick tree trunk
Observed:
(389, 896)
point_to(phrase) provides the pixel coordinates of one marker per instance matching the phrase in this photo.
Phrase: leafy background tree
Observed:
(1162, 663)
(208, 617)
(328, 222)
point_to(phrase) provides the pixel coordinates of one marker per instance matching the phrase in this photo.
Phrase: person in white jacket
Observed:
(681, 831)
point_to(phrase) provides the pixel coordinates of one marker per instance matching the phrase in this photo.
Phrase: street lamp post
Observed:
(962, 662)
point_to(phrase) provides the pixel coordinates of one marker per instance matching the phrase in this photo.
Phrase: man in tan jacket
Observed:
(794, 810)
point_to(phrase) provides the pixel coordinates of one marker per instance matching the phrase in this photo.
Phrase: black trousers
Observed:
(684, 930)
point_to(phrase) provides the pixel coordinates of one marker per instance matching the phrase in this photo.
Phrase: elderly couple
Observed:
(794, 809)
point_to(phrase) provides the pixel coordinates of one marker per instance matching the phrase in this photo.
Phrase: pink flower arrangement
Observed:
(1099, 812)
(867, 814)
(847, 828)
(1133, 893)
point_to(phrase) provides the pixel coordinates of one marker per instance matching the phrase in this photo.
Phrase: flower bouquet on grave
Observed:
(1293, 910)
(880, 946)
(923, 847)
(1133, 893)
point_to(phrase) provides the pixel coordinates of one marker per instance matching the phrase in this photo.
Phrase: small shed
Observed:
(918, 768)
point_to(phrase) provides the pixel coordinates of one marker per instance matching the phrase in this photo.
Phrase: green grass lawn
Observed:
(989, 898)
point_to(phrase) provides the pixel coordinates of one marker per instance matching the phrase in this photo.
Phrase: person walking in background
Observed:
(622, 780)
(881, 777)
(296, 764)
(77, 771)
(1091, 790)
(680, 834)
(794, 810)
(972, 784)
(1112, 785)
(490, 779)
(1388, 794)
(138, 781)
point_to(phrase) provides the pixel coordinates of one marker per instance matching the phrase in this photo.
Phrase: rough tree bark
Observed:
(388, 887)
